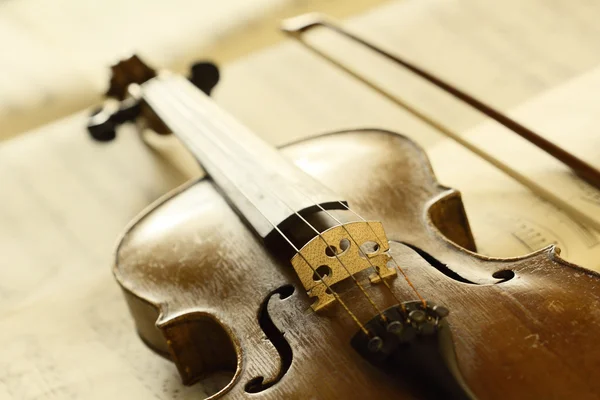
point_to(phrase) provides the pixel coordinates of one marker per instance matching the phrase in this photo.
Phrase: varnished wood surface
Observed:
(267, 190)
(193, 264)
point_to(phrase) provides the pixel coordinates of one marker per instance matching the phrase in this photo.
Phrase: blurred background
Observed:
(55, 53)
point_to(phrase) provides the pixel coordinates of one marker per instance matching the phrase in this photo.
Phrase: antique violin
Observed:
(335, 267)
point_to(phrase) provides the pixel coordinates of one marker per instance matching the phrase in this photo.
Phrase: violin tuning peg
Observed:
(100, 126)
(103, 122)
(205, 76)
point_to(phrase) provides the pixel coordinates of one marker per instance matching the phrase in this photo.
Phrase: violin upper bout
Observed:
(184, 267)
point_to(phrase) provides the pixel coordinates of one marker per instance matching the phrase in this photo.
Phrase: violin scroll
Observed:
(123, 105)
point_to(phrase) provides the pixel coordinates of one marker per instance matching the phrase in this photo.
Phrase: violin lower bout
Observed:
(205, 293)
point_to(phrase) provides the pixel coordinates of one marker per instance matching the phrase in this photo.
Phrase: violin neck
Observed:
(266, 189)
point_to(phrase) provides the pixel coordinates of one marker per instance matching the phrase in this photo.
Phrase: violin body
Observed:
(205, 292)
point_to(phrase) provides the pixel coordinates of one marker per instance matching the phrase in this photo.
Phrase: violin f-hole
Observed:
(275, 336)
(500, 276)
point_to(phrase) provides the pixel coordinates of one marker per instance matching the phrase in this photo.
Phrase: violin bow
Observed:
(296, 27)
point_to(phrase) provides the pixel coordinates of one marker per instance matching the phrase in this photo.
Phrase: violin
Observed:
(335, 267)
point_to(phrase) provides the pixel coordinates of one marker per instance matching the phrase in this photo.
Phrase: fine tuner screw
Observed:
(404, 324)
(395, 327)
(417, 315)
(375, 344)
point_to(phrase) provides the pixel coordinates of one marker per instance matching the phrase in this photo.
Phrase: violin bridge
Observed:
(340, 252)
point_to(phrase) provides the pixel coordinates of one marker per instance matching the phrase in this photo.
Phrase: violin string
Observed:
(225, 131)
(377, 272)
(387, 285)
(408, 281)
(362, 289)
(228, 151)
(313, 269)
(411, 109)
(397, 266)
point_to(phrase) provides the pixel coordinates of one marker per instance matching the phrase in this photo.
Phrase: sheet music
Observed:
(64, 204)
(568, 116)
(66, 328)
(80, 344)
(506, 218)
